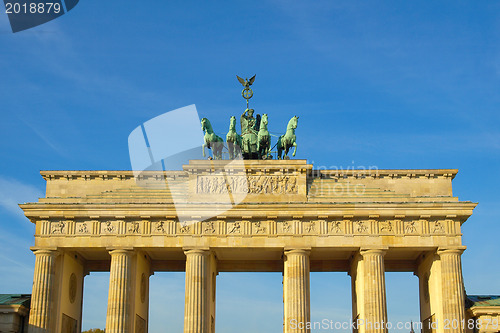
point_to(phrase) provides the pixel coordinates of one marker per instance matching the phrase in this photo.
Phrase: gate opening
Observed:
(249, 302)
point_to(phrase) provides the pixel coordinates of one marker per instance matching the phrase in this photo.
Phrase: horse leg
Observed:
(230, 148)
(295, 150)
(268, 146)
(218, 150)
(287, 148)
(203, 149)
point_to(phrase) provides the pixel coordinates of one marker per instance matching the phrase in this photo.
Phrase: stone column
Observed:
(197, 306)
(119, 298)
(296, 293)
(453, 290)
(375, 307)
(42, 300)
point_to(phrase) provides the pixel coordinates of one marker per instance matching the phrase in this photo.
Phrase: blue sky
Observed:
(392, 84)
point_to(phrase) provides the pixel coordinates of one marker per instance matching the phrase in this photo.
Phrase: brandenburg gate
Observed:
(257, 216)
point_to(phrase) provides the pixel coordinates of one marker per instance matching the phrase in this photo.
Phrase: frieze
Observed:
(252, 184)
(251, 226)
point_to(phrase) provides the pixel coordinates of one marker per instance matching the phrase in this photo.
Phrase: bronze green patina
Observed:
(212, 140)
(263, 139)
(255, 139)
(233, 140)
(287, 141)
(247, 93)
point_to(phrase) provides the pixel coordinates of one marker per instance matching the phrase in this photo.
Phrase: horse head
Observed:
(292, 124)
(263, 120)
(232, 123)
(205, 124)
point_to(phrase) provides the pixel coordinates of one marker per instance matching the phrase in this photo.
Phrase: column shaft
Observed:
(374, 287)
(42, 300)
(197, 310)
(119, 298)
(453, 290)
(296, 293)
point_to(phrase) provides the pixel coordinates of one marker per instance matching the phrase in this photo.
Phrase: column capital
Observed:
(451, 250)
(197, 250)
(374, 251)
(52, 252)
(124, 250)
(304, 251)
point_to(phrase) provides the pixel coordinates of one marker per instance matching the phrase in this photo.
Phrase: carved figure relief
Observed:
(385, 226)
(134, 228)
(58, 228)
(437, 227)
(235, 228)
(287, 226)
(361, 226)
(336, 227)
(259, 228)
(247, 184)
(410, 227)
(310, 227)
(209, 228)
(82, 228)
(184, 228)
(160, 227)
(109, 227)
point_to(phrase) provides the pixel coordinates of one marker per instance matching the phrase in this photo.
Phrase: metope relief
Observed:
(285, 227)
(209, 227)
(58, 227)
(437, 227)
(335, 227)
(184, 228)
(234, 228)
(309, 227)
(247, 184)
(360, 227)
(160, 227)
(108, 228)
(133, 227)
(385, 226)
(410, 227)
(259, 228)
(82, 228)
